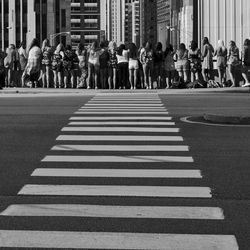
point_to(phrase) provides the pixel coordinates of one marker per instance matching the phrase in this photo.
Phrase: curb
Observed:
(227, 119)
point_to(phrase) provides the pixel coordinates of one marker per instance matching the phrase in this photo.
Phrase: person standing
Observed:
(233, 61)
(93, 65)
(2, 69)
(11, 63)
(221, 53)
(246, 63)
(122, 65)
(207, 56)
(81, 52)
(112, 65)
(33, 67)
(169, 65)
(194, 56)
(158, 63)
(133, 65)
(46, 62)
(147, 60)
(182, 64)
(23, 57)
(57, 65)
(104, 60)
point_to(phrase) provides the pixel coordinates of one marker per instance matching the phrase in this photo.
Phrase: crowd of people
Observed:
(108, 66)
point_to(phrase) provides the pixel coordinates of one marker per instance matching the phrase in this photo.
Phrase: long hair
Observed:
(158, 46)
(112, 45)
(94, 45)
(120, 49)
(148, 46)
(59, 48)
(133, 51)
(193, 45)
(205, 40)
(34, 43)
(169, 49)
(45, 44)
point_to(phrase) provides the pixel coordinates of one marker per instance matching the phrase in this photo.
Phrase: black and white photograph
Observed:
(125, 124)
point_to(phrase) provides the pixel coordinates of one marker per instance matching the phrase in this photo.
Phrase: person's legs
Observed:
(231, 74)
(131, 73)
(90, 72)
(204, 74)
(144, 67)
(60, 78)
(114, 77)
(96, 75)
(245, 76)
(135, 78)
(55, 78)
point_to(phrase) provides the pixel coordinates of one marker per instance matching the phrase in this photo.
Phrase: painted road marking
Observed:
(124, 104)
(103, 240)
(119, 113)
(123, 191)
(111, 158)
(116, 173)
(99, 211)
(126, 118)
(122, 110)
(122, 148)
(140, 123)
(118, 138)
(121, 129)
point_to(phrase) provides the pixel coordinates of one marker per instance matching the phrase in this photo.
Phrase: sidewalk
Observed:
(52, 91)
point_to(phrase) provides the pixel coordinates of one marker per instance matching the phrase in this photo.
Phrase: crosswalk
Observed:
(128, 148)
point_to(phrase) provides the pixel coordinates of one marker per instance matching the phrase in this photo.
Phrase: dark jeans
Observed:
(122, 75)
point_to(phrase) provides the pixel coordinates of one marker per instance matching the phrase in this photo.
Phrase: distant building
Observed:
(23, 20)
(163, 21)
(85, 21)
(148, 21)
(135, 22)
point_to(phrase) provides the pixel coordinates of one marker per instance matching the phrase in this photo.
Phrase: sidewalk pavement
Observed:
(216, 118)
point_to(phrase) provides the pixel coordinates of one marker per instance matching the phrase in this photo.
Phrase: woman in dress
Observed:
(207, 55)
(233, 61)
(46, 62)
(81, 52)
(221, 53)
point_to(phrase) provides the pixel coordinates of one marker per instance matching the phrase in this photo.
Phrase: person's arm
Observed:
(205, 51)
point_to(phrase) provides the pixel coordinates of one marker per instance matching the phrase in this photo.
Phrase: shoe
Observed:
(246, 85)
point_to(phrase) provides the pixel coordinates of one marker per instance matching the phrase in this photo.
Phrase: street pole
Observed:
(2, 5)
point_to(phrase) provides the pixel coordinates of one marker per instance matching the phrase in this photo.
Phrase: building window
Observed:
(63, 18)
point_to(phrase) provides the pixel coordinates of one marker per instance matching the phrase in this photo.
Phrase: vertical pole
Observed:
(2, 5)
(21, 20)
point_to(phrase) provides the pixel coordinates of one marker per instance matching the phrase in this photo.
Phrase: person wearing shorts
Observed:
(133, 65)
(182, 64)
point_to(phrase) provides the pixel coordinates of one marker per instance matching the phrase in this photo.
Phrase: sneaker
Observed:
(246, 85)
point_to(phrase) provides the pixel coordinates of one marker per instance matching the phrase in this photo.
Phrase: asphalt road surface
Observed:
(123, 171)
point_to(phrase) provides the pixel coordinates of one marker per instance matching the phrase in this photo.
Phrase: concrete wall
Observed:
(224, 19)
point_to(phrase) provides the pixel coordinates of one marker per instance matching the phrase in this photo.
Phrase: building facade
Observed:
(23, 20)
(85, 21)
(163, 21)
(148, 21)
(135, 15)
(224, 20)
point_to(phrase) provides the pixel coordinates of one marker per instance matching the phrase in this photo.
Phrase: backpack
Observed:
(195, 85)
(213, 84)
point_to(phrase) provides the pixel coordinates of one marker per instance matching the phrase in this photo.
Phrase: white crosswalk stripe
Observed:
(133, 129)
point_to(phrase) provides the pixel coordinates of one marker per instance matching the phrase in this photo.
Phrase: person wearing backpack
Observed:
(104, 60)
(158, 63)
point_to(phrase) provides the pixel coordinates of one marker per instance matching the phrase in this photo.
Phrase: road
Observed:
(123, 172)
